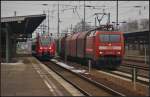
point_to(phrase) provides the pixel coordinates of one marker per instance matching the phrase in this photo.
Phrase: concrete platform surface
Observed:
(26, 78)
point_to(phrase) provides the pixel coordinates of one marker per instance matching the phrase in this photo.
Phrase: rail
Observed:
(137, 65)
(99, 85)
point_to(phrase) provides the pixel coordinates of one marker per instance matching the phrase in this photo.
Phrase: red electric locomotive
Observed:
(103, 46)
(44, 47)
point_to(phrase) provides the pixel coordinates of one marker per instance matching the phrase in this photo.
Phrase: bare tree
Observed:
(135, 25)
(79, 26)
(123, 27)
(144, 24)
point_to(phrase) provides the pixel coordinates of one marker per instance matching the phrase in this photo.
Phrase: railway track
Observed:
(142, 70)
(97, 81)
(139, 61)
(125, 70)
(123, 75)
(142, 66)
(87, 86)
(127, 75)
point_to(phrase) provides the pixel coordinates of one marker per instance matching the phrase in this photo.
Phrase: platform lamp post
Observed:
(43, 25)
(83, 28)
(58, 21)
(139, 14)
(47, 17)
(139, 9)
(15, 13)
(117, 15)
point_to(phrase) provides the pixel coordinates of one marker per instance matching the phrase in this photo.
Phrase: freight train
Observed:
(103, 46)
(43, 47)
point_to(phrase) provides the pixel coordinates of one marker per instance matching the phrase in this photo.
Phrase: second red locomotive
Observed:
(44, 47)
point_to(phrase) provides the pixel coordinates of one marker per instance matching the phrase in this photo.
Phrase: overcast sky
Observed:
(127, 11)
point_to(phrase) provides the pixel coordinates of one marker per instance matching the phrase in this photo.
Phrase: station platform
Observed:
(27, 77)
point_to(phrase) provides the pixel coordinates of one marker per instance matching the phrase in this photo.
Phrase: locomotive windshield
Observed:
(45, 41)
(110, 38)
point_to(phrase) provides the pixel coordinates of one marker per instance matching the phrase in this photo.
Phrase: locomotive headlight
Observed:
(100, 52)
(118, 53)
(50, 48)
(41, 48)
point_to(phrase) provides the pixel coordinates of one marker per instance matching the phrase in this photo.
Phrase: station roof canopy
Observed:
(22, 24)
(137, 33)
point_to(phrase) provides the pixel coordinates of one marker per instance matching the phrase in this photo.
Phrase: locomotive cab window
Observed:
(44, 41)
(109, 37)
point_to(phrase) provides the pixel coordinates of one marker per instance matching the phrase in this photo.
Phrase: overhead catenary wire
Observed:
(78, 14)
(65, 7)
